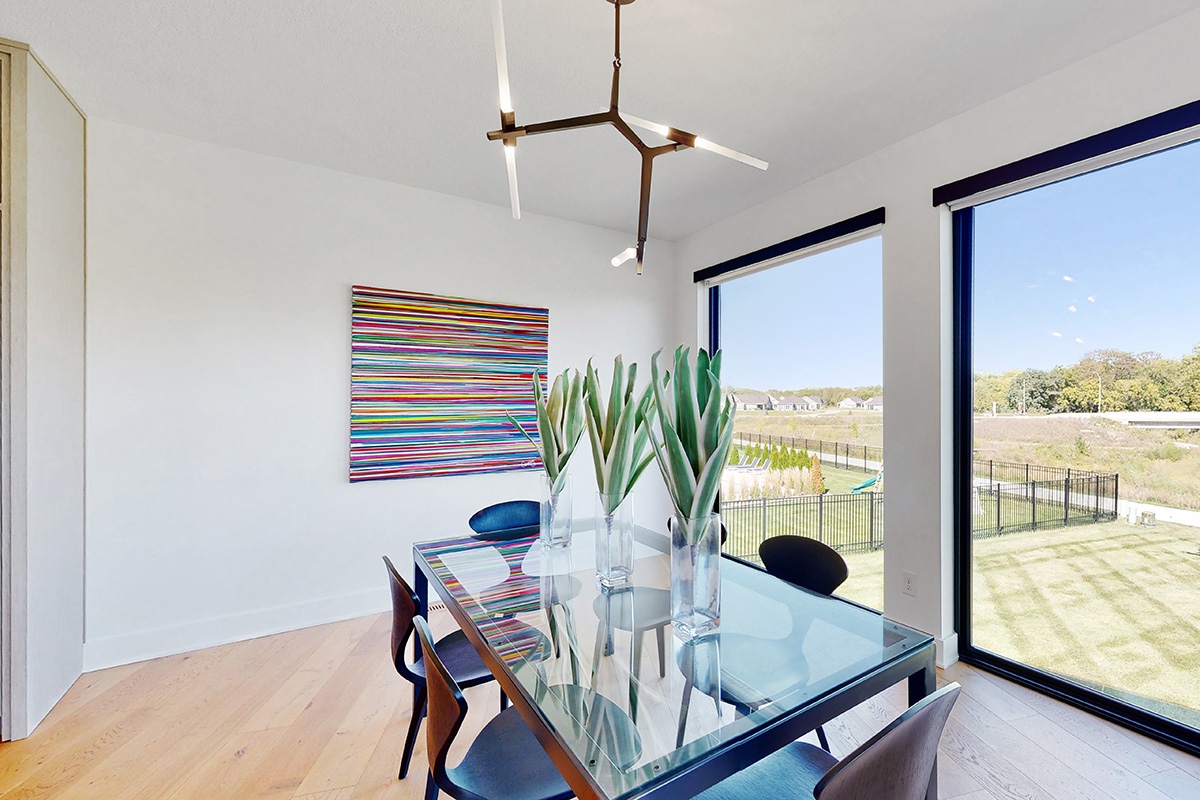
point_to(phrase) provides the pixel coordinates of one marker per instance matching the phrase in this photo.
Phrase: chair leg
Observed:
(683, 711)
(414, 725)
(821, 738)
(503, 700)
(660, 631)
(431, 789)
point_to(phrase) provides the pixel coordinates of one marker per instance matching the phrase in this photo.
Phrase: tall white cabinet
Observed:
(42, 268)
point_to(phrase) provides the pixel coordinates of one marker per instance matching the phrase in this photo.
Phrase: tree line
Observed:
(1105, 380)
(832, 395)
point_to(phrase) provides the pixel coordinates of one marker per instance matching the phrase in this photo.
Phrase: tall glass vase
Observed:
(555, 529)
(614, 540)
(695, 575)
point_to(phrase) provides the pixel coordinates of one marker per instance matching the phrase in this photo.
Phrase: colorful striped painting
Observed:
(431, 379)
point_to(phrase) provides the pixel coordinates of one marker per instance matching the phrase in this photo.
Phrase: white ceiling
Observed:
(405, 90)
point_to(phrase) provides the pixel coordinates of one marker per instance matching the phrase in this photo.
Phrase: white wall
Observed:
(1144, 75)
(218, 376)
(45, 373)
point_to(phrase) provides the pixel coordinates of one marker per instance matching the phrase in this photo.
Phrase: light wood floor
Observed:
(320, 714)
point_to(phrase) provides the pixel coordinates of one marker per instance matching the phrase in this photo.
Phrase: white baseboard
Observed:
(947, 650)
(141, 645)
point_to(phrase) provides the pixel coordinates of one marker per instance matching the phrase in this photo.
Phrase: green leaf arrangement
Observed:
(620, 433)
(560, 424)
(697, 432)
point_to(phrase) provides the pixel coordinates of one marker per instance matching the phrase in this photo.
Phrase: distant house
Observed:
(790, 402)
(873, 404)
(851, 402)
(751, 401)
(812, 403)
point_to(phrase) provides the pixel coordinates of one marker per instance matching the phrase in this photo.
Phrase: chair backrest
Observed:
(447, 707)
(404, 611)
(897, 762)
(505, 516)
(804, 562)
(724, 532)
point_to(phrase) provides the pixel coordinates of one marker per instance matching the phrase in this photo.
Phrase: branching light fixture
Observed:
(509, 132)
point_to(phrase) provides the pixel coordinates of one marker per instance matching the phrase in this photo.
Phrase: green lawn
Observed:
(1113, 604)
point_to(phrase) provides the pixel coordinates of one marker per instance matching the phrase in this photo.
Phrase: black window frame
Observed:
(1135, 133)
(847, 227)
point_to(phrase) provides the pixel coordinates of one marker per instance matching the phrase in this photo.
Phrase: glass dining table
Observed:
(623, 707)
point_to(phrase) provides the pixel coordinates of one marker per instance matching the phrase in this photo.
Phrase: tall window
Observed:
(1079, 509)
(802, 357)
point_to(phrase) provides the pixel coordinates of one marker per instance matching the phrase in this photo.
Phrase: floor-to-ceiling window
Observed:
(802, 359)
(1079, 452)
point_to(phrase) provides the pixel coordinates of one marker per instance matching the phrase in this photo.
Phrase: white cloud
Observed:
(1079, 340)
(1056, 333)
(1072, 308)
(1068, 279)
(1091, 299)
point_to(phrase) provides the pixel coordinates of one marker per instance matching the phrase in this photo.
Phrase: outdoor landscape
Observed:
(1098, 598)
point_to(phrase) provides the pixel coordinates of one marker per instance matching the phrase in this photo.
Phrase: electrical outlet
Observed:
(910, 584)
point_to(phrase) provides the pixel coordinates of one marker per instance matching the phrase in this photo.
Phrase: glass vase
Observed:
(614, 540)
(555, 527)
(695, 575)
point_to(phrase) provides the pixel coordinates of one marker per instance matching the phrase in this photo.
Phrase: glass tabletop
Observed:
(632, 702)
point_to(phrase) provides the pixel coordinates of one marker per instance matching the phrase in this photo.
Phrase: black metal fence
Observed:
(854, 522)
(841, 455)
(1004, 507)
(1009, 472)
(845, 522)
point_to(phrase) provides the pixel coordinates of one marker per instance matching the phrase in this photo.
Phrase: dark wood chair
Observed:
(808, 564)
(805, 562)
(457, 653)
(896, 763)
(505, 762)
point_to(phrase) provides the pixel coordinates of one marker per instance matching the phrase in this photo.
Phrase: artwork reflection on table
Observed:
(431, 378)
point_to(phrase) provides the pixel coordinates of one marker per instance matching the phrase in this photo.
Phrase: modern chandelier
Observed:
(509, 133)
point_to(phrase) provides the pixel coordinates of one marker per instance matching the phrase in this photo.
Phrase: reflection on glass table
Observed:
(785, 660)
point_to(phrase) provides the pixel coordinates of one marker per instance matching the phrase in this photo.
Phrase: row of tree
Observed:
(780, 457)
(1103, 380)
(832, 395)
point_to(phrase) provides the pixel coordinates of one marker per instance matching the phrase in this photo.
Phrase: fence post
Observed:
(1033, 501)
(1066, 499)
(995, 487)
(1027, 473)
(764, 520)
(991, 471)
(871, 495)
(1096, 493)
(820, 518)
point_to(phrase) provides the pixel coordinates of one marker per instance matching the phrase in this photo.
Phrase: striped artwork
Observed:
(431, 378)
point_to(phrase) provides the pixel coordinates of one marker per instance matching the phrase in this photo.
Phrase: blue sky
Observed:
(1107, 260)
(814, 322)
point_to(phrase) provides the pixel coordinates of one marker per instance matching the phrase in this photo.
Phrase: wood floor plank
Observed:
(345, 757)
(998, 775)
(312, 729)
(212, 721)
(1176, 783)
(1043, 767)
(954, 781)
(1004, 705)
(321, 715)
(297, 692)
(230, 767)
(1135, 753)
